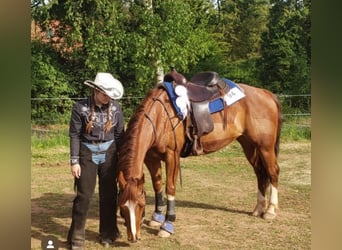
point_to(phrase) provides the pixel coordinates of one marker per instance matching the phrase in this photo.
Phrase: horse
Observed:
(156, 133)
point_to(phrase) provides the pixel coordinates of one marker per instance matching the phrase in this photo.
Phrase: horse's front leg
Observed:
(172, 168)
(153, 164)
(158, 217)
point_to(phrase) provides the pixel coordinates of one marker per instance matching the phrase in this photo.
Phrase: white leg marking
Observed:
(261, 198)
(131, 207)
(261, 204)
(170, 197)
(271, 210)
(274, 196)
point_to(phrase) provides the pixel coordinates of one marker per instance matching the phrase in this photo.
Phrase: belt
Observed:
(99, 152)
(95, 142)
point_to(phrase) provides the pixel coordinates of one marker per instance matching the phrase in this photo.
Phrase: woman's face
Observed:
(101, 98)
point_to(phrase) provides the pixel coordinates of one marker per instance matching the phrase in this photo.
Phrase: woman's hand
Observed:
(76, 170)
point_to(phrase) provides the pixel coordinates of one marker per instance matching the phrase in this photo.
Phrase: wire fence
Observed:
(57, 111)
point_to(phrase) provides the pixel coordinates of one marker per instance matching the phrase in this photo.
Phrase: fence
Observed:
(50, 111)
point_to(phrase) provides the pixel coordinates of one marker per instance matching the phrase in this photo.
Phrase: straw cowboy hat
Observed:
(107, 84)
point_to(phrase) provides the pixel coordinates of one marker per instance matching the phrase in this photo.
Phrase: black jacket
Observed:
(79, 120)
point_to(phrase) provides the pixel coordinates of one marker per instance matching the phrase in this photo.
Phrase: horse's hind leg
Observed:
(268, 160)
(266, 170)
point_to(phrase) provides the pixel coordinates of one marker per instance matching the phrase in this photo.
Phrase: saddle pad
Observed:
(168, 86)
(235, 93)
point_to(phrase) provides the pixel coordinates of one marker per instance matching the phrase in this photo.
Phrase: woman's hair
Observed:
(92, 110)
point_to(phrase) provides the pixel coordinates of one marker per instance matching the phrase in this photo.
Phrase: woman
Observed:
(96, 131)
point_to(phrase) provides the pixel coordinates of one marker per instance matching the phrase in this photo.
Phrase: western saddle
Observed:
(202, 88)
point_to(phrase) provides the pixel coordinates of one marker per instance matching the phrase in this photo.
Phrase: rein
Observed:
(170, 120)
(153, 126)
(172, 126)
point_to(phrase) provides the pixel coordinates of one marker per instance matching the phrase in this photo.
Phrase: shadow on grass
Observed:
(192, 204)
(51, 215)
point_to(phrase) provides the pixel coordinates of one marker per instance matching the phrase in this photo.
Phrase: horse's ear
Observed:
(121, 180)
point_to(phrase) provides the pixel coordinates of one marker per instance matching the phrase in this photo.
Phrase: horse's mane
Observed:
(128, 148)
(127, 151)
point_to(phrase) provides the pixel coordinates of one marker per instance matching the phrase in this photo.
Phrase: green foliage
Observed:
(238, 26)
(242, 23)
(296, 105)
(161, 34)
(259, 42)
(215, 60)
(243, 71)
(48, 80)
(285, 62)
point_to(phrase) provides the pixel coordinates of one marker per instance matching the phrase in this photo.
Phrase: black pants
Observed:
(85, 186)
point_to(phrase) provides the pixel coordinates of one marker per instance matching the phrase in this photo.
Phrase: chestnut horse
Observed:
(155, 133)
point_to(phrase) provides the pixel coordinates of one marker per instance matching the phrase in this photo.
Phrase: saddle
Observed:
(202, 88)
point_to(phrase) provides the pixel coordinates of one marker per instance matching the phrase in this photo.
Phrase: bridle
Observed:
(179, 121)
(157, 99)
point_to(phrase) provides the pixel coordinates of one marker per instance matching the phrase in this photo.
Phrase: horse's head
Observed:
(132, 201)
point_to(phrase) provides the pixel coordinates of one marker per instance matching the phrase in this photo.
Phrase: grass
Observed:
(52, 136)
(296, 128)
(213, 205)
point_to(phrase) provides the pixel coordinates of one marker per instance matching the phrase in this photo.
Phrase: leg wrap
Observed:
(158, 217)
(168, 227)
(171, 212)
(159, 202)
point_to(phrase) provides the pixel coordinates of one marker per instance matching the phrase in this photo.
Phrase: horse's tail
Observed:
(280, 123)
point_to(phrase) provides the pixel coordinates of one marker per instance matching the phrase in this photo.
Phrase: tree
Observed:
(134, 40)
(48, 81)
(164, 33)
(285, 61)
(250, 41)
(241, 22)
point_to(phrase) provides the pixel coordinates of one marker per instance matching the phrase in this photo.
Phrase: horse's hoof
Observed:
(164, 234)
(166, 229)
(157, 219)
(259, 209)
(268, 216)
(256, 213)
(154, 223)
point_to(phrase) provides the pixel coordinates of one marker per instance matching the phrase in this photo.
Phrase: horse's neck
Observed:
(141, 135)
(147, 129)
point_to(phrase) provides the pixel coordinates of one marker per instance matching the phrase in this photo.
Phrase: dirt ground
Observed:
(213, 205)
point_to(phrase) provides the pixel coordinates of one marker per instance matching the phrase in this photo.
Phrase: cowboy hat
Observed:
(107, 84)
